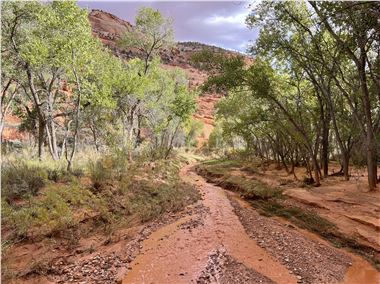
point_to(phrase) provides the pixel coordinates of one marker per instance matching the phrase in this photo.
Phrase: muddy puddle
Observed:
(178, 252)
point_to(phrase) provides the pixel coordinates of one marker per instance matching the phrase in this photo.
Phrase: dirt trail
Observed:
(179, 252)
(229, 242)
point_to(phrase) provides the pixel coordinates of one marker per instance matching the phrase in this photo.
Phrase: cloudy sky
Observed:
(217, 23)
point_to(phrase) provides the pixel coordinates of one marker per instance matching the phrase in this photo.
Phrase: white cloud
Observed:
(237, 19)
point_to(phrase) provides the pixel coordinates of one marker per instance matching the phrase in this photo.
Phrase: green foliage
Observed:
(151, 32)
(193, 128)
(226, 72)
(150, 201)
(20, 179)
(170, 106)
(303, 88)
(51, 49)
(55, 174)
(51, 213)
(60, 28)
(107, 168)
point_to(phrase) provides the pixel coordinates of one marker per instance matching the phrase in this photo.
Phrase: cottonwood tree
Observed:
(323, 41)
(16, 17)
(354, 27)
(66, 84)
(152, 32)
(46, 38)
(323, 75)
(168, 107)
(51, 49)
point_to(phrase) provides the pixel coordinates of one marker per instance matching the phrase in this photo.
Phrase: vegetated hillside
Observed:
(110, 28)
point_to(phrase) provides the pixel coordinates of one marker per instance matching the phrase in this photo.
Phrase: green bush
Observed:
(77, 172)
(54, 174)
(139, 192)
(52, 212)
(20, 179)
(60, 174)
(109, 167)
(151, 200)
(99, 173)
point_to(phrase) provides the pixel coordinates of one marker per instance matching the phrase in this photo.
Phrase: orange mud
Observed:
(172, 255)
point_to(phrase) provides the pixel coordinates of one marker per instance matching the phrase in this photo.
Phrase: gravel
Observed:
(222, 268)
(311, 261)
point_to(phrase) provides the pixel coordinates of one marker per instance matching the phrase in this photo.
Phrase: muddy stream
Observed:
(179, 252)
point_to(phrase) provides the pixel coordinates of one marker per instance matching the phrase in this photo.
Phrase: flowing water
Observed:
(176, 255)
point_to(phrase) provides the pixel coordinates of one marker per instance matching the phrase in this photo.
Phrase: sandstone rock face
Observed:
(108, 27)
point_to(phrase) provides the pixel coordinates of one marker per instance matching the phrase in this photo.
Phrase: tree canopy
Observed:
(67, 87)
(312, 93)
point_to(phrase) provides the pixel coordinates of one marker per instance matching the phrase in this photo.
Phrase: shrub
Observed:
(109, 167)
(98, 172)
(54, 174)
(20, 179)
(52, 212)
(77, 172)
(151, 200)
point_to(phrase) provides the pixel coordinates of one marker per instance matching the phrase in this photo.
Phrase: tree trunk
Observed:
(63, 149)
(41, 137)
(308, 168)
(93, 130)
(284, 163)
(54, 139)
(325, 149)
(41, 118)
(371, 161)
(50, 127)
(170, 146)
(346, 162)
(1, 130)
(138, 134)
(292, 171)
(5, 105)
(50, 143)
(316, 170)
(77, 116)
(371, 149)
